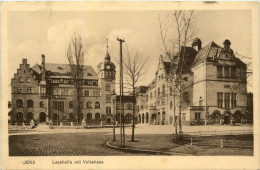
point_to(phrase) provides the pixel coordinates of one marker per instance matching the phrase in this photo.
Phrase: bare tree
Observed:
(134, 70)
(75, 55)
(184, 34)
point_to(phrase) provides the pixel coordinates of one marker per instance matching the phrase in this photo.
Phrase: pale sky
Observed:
(31, 34)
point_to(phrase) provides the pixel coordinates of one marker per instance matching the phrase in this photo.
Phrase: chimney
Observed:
(43, 60)
(24, 61)
(227, 44)
(197, 43)
(43, 67)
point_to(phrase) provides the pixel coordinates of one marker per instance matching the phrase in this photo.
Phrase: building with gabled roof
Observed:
(47, 92)
(214, 88)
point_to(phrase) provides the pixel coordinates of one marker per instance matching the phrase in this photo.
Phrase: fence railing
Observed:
(221, 132)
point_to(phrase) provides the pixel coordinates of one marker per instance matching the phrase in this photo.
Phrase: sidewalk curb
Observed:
(144, 151)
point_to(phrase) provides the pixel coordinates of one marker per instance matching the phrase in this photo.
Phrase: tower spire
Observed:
(107, 45)
(107, 55)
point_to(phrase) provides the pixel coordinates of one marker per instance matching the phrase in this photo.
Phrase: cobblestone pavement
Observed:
(43, 141)
(64, 144)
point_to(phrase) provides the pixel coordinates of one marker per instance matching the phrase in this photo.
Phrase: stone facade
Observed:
(44, 92)
(214, 88)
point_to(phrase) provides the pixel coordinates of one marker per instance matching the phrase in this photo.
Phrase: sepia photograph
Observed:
(86, 85)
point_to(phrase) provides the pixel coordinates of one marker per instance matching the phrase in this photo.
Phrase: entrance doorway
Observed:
(42, 117)
(226, 119)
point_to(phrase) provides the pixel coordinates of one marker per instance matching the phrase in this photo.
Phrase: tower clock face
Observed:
(108, 66)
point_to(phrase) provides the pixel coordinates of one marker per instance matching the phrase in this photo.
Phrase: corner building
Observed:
(215, 88)
(44, 92)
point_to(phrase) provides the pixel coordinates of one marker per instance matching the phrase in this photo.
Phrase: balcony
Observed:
(196, 107)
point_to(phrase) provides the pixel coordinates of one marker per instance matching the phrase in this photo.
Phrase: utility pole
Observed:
(122, 128)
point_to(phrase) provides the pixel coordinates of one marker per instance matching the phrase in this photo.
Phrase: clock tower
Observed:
(106, 81)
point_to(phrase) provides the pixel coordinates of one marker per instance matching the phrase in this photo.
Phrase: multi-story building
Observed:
(47, 91)
(214, 87)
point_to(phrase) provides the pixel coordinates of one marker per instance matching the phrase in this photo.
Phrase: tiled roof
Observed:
(210, 50)
(152, 85)
(64, 69)
(141, 89)
(125, 98)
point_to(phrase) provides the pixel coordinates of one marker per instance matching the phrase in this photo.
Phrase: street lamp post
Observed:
(114, 119)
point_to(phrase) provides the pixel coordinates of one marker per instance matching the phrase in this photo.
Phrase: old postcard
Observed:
(130, 85)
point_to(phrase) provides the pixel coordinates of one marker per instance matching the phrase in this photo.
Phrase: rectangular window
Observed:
(219, 71)
(183, 116)
(41, 104)
(43, 90)
(29, 90)
(108, 110)
(226, 69)
(56, 92)
(70, 104)
(227, 100)
(19, 89)
(55, 81)
(233, 100)
(87, 93)
(220, 99)
(108, 86)
(108, 98)
(233, 72)
(96, 93)
(197, 115)
(21, 79)
(163, 101)
(59, 105)
(28, 80)
(66, 81)
(14, 90)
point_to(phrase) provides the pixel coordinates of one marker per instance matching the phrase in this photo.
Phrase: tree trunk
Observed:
(133, 123)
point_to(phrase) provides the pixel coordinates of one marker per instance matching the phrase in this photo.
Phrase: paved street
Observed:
(63, 144)
(51, 142)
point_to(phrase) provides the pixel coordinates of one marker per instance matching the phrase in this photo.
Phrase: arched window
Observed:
(128, 117)
(97, 116)
(71, 116)
(89, 116)
(19, 103)
(19, 116)
(29, 103)
(154, 93)
(89, 105)
(159, 93)
(97, 105)
(29, 116)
